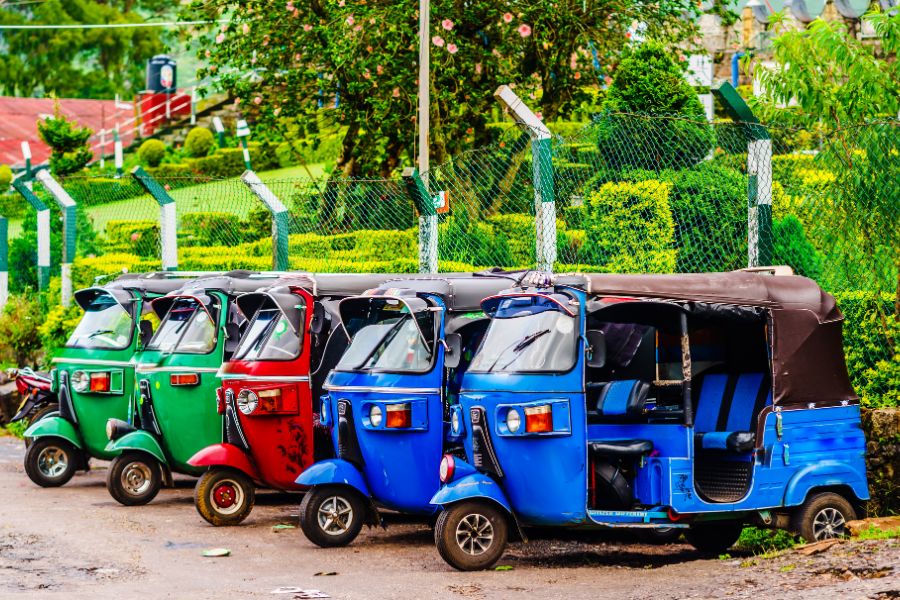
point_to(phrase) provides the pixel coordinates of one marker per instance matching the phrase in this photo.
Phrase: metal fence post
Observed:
(759, 174)
(168, 224)
(280, 239)
(243, 132)
(119, 155)
(542, 169)
(43, 231)
(428, 220)
(4, 262)
(67, 207)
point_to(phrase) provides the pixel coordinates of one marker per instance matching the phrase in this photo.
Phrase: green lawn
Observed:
(229, 195)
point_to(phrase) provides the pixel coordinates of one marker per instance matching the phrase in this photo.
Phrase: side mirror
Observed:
(452, 350)
(317, 323)
(596, 349)
(146, 333)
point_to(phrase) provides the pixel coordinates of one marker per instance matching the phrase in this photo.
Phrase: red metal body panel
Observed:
(225, 455)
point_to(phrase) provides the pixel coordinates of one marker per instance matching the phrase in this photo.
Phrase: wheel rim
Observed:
(227, 497)
(828, 523)
(335, 515)
(474, 534)
(136, 478)
(52, 462)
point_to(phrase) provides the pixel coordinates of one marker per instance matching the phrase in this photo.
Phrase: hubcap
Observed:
(829, 523)
(335, 515)
(227, 497)
(136, 478)
(52, 461)
(474, 534)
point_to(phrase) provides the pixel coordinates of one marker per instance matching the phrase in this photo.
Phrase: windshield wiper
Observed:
(517, 347)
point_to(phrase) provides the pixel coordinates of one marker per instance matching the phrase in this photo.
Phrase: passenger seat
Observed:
(727, 410)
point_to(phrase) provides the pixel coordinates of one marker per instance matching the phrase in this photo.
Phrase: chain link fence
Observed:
(626, 193)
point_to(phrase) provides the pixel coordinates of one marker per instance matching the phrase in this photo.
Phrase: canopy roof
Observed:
(462, 292)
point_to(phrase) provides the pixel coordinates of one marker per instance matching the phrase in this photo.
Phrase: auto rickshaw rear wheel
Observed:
(51, 461)
(332, 515)
(224, 496)
(823, 516)
(714, 537)
(471, 535)
(134, 478)
(37, 416)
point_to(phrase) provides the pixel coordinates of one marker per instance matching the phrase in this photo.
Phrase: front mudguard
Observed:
(474, 485)
(225, 455)
(140, 441)
(55, 426)
(334, 471)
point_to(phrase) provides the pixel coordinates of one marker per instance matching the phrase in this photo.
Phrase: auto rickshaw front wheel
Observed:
(714, 537)
(471, 535)
(224, 496)
(823, 516)
(134, 478)
(50, 461)
(332, 515)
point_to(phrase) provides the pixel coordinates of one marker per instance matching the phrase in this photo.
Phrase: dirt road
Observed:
(76, 542)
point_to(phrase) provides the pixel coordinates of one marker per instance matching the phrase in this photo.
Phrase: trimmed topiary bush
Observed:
(199, 142)
(151, 153)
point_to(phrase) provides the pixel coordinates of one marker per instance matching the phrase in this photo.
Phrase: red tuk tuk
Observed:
(268, 388)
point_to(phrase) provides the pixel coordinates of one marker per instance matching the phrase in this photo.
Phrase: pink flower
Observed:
(341, 3)
(577, 75)
(507, 17)
(366, 75)
(452, 49)
(379, 69)
(524, 30)
(307, 27)
(438, 41)
(357, 28)
(245, 28)
(478, 68)
(396, 93)
(296, 13)
(220, 38)
(258, 100)
(447, 24)
(289, 6)
(135, 237)
(350, 20)
(237, 101)
(208, 53)
(297, 57)
(167, 188)
(539, 115)
(608, 80)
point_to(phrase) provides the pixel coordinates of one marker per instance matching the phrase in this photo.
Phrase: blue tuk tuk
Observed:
(700, 402)
(387, 398)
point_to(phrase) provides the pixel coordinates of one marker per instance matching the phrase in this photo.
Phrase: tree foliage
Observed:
(68, 142)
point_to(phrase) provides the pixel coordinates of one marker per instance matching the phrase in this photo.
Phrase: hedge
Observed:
(133, 237)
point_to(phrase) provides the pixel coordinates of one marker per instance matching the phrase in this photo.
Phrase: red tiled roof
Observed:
(19, 116)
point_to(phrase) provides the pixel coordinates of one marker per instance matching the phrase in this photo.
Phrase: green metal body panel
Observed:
(141, 441)
(53, 426)
(186, 415)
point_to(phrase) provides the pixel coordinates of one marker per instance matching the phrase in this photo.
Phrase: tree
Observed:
(361, 59)
(68, 142)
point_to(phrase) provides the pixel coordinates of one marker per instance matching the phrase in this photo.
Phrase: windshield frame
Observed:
(300, 335)
(212, 312)
(129, 311)
(578, 337)
(436, 310)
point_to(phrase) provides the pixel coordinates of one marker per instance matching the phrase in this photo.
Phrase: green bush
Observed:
(6, 177)
(151, 153)
(519, 231)
(199, 142)
(20, 341)
(212, 229)
(134, 237)
(629, 228)
(68, 142)
(86, 269)
(464, 240)
(649, 82)
(792, 248)
(763, 541)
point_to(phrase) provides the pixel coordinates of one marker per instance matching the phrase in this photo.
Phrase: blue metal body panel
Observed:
(334, 471)
(467, 487)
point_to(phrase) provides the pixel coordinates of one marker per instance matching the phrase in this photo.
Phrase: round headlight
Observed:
(110, 429)
(454, 421)
(247, 402)
(513, 421)
(80, 381)
(375, 416)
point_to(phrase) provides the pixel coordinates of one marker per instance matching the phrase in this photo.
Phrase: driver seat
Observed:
(621, 401)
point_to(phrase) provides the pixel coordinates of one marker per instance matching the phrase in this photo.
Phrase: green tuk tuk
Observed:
(174, 412)
(93, 379)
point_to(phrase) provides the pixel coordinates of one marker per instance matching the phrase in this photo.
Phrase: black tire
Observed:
(469, 524)
(224, 496)
(332, 515)
(823, 516)
(663, 535)
(134, 478)
(714, 537)
(51, 461)
(37, 416)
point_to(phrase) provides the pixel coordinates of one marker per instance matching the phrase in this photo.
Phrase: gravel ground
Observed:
(76, 542)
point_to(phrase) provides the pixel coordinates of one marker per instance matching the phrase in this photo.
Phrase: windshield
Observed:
(105, 324)
(186, 329)
(269, 337)
(528, 335)
(385, 338)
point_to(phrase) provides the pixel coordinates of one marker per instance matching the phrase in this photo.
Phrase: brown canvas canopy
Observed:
(808, 363)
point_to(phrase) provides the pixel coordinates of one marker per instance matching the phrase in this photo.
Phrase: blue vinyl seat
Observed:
(727, 410)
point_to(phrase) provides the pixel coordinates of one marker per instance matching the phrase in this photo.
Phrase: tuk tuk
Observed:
(174, 410)
(271, 431)
(93, 379)
(387, 401)
(700, 402)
